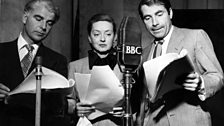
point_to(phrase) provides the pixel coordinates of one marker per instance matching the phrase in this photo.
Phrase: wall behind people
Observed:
(88, 8)
(71, 41)
(119, 8)
(197, 4)
(61, 35)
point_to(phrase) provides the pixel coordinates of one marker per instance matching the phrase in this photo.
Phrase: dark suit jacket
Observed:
(11, 75)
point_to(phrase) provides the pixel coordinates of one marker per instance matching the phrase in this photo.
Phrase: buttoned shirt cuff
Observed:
(201, 90)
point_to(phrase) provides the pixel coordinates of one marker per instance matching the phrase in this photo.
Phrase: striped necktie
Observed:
(27, 60)
(158, 48)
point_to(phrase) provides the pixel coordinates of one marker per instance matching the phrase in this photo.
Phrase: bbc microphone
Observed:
(129, 44)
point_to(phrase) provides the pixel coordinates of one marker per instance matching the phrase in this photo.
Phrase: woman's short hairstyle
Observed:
(100, 17)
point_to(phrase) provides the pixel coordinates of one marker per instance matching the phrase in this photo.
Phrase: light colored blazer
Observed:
(82, 66)
(201, 51)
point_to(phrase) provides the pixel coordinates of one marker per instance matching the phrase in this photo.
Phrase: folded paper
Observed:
(162, 73)
(101, 88)
(49, 80)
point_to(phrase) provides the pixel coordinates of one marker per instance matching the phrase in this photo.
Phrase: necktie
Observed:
(158, 48)
(27, 60)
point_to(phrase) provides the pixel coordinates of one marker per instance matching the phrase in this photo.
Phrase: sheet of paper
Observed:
(83, 121)
(104, 89)
(104, 86)
(50, 80)
(162, 73)
(153, 68)
(82, 84)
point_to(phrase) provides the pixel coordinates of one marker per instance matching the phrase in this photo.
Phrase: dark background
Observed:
(212, 21)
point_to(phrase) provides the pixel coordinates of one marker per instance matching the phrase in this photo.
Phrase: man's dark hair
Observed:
(165, 3)
(100, 17)
(49, 5)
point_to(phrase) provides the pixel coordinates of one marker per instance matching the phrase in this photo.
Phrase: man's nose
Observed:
(44, 26)
(155, 21)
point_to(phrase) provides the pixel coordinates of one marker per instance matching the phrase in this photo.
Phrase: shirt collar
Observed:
(22, 42)
(167, 38)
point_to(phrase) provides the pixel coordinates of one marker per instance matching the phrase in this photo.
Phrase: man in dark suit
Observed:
(38, 19)
(185, 106)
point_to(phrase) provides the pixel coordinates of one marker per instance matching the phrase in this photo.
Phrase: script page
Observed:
(49, 80)
(153, 67)
(82, 84)
(52, 84)
(104, 90)
(162, 73)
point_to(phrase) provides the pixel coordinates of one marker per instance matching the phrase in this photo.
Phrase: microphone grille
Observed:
(129, 31)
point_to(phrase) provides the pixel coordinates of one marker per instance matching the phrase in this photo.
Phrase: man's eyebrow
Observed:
(37, 15)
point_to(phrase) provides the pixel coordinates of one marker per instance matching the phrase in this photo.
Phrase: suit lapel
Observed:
(14, 53)
(147, 52)
(175, 44)
(13, 64)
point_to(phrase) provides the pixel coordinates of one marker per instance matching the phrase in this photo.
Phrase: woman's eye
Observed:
(96, 34)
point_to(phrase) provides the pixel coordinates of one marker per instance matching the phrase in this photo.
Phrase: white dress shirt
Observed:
(21, 47)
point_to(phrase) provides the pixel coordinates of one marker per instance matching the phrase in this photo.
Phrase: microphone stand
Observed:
(38, 91)
(127, 118)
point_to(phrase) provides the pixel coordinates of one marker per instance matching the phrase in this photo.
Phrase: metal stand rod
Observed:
(38, 101)
(38, 96)
(127, 119)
